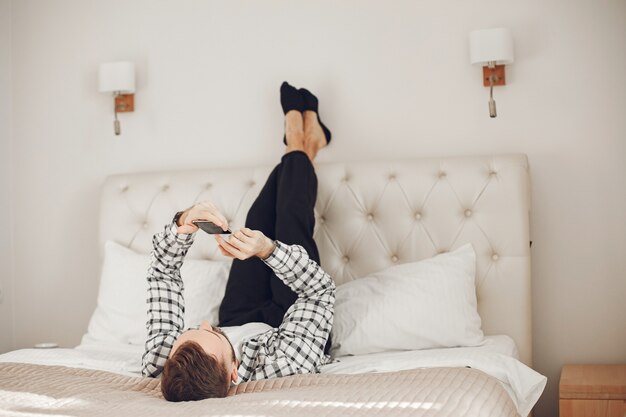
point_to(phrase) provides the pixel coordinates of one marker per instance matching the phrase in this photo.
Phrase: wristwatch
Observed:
(177, 217)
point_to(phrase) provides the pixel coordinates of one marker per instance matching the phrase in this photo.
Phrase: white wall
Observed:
(6, 247)
(393, 79)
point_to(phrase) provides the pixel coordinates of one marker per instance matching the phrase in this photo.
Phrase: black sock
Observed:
(312, 103)
(290, 98)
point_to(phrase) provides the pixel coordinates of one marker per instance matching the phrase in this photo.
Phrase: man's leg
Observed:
(287, 201)
(248, 289)
(295, 204)
(248, 297)
(296, 193)
(296, 189)
(295, 221)
(253, 292)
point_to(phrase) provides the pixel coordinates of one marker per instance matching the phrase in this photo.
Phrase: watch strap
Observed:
(177, 217)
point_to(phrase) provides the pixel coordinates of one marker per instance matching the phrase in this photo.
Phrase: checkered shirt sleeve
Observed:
(166, 306)
(297, 345)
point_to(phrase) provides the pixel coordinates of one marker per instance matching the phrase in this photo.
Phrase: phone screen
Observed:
(210, 227)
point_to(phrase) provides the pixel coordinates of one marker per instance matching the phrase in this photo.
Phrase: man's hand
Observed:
(246, 243)
(201, 211)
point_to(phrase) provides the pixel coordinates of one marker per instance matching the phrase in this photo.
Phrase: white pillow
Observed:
(418, 305)
(121, 312)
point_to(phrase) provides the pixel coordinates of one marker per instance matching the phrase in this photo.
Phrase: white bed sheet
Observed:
(496, 357)
(117, 358)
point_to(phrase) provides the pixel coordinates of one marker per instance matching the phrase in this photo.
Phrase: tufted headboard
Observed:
(370, 215)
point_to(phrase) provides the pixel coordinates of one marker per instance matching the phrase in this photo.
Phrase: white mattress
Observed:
(496, 357)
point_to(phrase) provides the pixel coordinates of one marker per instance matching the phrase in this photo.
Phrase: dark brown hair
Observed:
(190, 374)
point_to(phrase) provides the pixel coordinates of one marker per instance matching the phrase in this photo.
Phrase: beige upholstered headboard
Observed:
(370, 215)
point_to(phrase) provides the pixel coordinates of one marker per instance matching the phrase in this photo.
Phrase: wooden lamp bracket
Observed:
(124, 103)
(497, 71)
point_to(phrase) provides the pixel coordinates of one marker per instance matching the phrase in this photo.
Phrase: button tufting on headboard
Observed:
(370, 215)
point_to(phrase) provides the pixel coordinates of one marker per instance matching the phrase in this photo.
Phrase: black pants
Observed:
(282, 211)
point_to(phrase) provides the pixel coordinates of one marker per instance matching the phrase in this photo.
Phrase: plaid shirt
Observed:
(296, 346)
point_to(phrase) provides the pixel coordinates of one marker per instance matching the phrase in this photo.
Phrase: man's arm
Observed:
(166, 305)
(297, 346)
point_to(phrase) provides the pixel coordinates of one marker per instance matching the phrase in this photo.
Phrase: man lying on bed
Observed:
(278, 301)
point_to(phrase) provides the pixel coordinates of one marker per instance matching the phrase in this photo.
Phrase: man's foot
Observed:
(290, 98)
(311, 103)
(294, 131)
(314, 138)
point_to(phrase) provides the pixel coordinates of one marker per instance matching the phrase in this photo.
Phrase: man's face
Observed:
(214, 342)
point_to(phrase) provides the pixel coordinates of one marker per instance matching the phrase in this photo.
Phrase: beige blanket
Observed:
(33, 390)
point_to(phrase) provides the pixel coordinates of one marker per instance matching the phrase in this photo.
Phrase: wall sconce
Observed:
(492, 48)
(118, 78)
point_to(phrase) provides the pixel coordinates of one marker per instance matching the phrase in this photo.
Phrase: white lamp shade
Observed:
(117, 76)
(491, 45)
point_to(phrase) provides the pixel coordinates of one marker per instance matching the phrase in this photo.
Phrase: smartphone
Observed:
(210, 227)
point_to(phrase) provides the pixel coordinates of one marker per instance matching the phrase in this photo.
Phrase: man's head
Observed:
(201, 365)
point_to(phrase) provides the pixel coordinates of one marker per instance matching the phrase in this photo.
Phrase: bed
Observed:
(371, 216)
